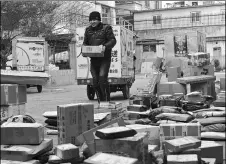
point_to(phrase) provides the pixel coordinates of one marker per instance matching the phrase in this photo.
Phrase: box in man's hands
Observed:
(92, 51)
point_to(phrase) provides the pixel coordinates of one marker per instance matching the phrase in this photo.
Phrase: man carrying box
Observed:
(99, 34)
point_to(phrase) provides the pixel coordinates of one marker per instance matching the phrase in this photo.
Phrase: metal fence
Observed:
(177, 22)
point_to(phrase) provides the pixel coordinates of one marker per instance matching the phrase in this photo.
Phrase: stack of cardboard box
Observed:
(220, 102)
(182, 144)
(199, 64)
(65, 153)
(116, 108)
(13, 100)
(173, 73)
(23, 142)
(169, 91)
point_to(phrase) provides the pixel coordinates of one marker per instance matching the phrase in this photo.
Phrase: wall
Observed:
(179, 12)
(130, 6)
(179, 17)
(211, 45)
(210, 31)
(107, 3)
(61, 77)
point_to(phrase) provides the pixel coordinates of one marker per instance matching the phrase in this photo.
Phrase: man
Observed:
(95, 35)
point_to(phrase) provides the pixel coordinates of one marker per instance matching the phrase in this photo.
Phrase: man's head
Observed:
(94, 18)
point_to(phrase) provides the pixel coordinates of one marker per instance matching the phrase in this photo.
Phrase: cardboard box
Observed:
(15, 133)
(173, 73)
(167, 102)
(115, 132)
(219, 103)
(19, 162)
(145, 100)
(132, 115)
(136, 108)
(53, 159)
(110, 105)
(12, 94)
(224, 148)
(92, 51)
(211, 149)
(209, 160)
(152, 148)
(181, 144)
(25, 152)
(179, 130)
(117, 112)
(12, 110)
(105, 158)
(221, 96)
(73, 120)
(170, 88)
(196, 151)
(67, 151)
(152, 132)
(197, 71)
(222, 83)
(130, 146)
(182, 159)
(199, 59)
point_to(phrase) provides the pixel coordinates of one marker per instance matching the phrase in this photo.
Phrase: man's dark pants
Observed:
(99, 70)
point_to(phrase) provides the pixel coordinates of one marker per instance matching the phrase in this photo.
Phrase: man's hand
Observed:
(103, 48)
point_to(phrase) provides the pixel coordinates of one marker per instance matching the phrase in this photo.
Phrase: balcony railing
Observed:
(124, 23)
(177, 22)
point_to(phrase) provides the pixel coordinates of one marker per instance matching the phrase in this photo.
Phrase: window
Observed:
(147, 4)
(217, 48)
(149, 48)
(157, 5)
(157, 19)
(146, 48)
(223, 15)
(195, 16)
(194, 3)
(106, 15)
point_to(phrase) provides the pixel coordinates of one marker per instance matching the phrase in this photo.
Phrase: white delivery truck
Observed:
(30, 54)
(121, 73)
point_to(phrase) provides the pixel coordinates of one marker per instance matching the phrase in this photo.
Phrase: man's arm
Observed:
(111, 41)
(86, 39)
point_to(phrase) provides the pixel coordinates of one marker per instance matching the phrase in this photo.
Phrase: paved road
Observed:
(48, 100)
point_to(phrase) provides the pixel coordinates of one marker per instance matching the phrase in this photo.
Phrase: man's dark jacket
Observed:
(102, 34)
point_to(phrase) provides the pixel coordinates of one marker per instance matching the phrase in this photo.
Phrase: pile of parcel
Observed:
(181, 124)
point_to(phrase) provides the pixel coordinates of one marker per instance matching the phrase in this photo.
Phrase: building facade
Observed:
(207, 19)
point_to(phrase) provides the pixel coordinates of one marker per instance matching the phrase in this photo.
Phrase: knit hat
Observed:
(95, 15)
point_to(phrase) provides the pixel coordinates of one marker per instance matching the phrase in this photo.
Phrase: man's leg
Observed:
(103, 79)
(95, 70)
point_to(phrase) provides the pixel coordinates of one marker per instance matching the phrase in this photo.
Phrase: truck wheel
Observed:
(90, 92)
(125, 91)
(39, 88)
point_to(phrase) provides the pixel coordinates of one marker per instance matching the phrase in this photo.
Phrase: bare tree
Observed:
(26, 18)
(38, 18)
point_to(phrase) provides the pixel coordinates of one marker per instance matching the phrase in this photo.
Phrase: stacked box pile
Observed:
(183, 128)
(220, 101)
(13, 100)
(199, 64)
(115, 108)
(23, 142)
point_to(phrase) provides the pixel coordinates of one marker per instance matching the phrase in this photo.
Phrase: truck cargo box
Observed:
(121, 57)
